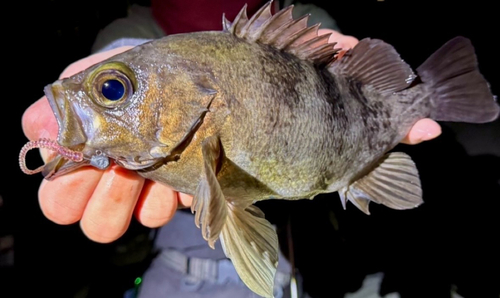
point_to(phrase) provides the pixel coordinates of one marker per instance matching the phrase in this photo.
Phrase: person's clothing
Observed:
(140, 24)
(177, 16)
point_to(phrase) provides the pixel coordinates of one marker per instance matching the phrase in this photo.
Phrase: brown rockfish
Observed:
(264, 109)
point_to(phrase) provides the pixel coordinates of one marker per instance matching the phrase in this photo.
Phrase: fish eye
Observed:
(113, 90)
(112, 85)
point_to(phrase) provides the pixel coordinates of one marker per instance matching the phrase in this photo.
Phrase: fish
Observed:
(264, 109)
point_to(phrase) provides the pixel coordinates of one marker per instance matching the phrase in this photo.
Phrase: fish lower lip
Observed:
(135, 165)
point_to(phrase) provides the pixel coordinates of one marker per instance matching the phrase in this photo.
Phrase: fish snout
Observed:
(71, 132)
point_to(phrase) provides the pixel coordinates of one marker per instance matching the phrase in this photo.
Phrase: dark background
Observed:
(450, 241)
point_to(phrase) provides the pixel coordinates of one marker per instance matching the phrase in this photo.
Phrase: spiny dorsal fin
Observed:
(284, 33)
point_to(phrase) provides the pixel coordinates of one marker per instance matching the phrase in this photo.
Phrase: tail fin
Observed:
(461, 94)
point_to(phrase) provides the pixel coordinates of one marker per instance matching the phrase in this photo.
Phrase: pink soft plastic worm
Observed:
(48, 144)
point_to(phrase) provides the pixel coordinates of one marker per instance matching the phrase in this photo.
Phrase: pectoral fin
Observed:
(393, 182)
(251, 243)
(208, 201)
(248, 239)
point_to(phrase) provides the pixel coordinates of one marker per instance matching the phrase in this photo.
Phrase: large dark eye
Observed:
(112, 85)
(113, 90)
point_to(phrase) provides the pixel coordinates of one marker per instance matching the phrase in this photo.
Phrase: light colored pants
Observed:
(171, 275)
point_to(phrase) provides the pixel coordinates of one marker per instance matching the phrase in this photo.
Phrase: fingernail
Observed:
(45, 134)
(424, 135)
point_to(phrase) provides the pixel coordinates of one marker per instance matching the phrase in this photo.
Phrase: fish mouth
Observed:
(49, 93)
(135, 165)
(70, 132)
(71, 135)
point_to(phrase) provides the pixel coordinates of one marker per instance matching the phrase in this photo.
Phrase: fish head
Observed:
(138, 108)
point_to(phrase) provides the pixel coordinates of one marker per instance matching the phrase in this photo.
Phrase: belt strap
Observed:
(208, 269)
(205, 269)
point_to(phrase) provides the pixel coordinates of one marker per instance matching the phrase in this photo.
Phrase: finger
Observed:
(185, 200)
(423, 130)
(157, 204)
(344, 42)
(82, 64)
(110, 208)
(63, 200)
(38, 121)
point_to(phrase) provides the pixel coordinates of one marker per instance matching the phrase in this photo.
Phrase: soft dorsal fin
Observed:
(375, 63)
(284, 33)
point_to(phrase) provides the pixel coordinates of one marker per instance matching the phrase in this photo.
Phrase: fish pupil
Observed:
(113, 89)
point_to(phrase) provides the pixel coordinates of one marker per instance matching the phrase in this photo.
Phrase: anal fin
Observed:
(251, 243)
(393, 182)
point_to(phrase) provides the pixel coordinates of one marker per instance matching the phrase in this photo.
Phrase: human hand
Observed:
(105, 201)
